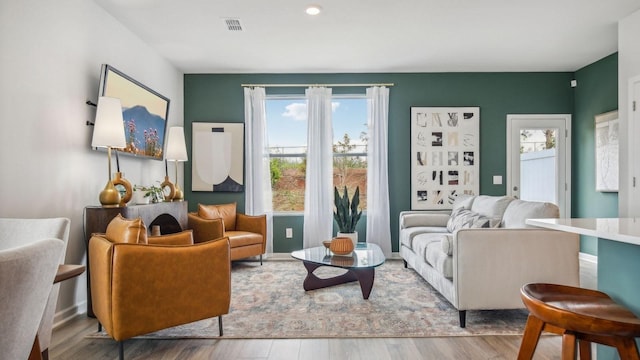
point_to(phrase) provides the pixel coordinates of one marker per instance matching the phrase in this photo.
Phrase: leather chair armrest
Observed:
(205, 229)
(181, 238)
(148, 295)
(253, 223)
(100, 262)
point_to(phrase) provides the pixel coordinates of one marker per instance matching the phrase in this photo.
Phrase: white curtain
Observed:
(258, 174)
(318, 193)
(378, 224)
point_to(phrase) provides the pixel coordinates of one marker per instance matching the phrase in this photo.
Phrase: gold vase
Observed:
(169, 185)
(121, 183)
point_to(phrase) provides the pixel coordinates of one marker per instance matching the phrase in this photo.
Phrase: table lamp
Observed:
(109, 133)
(176, 151)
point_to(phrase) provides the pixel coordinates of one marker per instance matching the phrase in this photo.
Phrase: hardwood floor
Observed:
(69, 343)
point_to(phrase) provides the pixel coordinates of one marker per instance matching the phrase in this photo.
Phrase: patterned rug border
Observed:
(406, 306)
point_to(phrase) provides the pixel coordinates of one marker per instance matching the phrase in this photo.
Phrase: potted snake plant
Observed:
(346, 213)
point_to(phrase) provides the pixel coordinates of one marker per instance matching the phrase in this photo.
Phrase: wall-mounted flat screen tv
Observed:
(144, 111)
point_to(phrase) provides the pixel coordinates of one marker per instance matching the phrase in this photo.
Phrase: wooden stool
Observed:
(577, 314)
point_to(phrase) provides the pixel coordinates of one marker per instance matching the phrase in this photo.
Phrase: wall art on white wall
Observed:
(607, 152)
(445, 145)
(218, 157)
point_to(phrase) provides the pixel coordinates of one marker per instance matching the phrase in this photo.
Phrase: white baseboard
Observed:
(588, 258)
(64, 316)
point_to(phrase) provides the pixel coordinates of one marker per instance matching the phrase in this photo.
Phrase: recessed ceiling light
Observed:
(313, 9)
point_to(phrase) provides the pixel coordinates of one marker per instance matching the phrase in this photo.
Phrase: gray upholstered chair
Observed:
(27, 272)
(15, 232)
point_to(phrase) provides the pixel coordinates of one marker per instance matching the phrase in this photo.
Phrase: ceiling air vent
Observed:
(233, 24)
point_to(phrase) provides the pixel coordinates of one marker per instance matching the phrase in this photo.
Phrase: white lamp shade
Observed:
(109, 125)
(176, 146)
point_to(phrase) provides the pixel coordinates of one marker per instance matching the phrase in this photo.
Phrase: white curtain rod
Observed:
(311, 85)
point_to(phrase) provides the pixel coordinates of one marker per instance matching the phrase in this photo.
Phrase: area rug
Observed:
(268, 302)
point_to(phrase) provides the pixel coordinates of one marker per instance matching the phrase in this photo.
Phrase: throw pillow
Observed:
(122, 230)
(226, 212)
(464, 219)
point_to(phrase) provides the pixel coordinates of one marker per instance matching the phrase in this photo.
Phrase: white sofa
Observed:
(479, 254)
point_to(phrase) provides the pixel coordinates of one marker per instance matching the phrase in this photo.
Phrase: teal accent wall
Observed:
(596, 93)
(618, 269)
(219, 98)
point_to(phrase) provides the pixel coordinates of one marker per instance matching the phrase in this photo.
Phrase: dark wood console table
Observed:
(170, 216)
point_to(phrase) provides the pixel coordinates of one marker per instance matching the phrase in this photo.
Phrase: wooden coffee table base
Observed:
(364, 276)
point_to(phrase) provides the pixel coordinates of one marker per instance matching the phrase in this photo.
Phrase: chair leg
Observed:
(260, 259)
(627, 349)
(220, 324)
(530, 338)
(405, 263)
(121, 349)
(585, 349)
(462, 314)
(99, 327)
(569, 346)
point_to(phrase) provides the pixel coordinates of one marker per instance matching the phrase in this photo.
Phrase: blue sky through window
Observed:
(287, 121)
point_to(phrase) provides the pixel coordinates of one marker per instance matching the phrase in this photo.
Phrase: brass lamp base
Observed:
(110, 196)
(179, 194)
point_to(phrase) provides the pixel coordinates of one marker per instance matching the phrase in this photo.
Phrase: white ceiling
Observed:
(376, 35)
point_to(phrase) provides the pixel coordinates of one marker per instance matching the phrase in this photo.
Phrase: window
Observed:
(287, 136)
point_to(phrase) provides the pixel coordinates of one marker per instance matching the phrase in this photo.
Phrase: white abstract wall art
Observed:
(218, 157)
(445, 149)
(607, 144)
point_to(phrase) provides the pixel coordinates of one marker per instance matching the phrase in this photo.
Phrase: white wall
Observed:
(50, 58)
(628, 67)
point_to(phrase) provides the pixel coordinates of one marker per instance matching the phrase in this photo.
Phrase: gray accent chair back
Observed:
(26, 278)
(18, 232)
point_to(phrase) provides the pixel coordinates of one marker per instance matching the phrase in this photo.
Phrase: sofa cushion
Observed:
(243, 238)
(462, 218)
(407, 235)
(519, 211)
(491, 206)
(439, 260)
(446, 244)
(226, 212)
(122, 230)
(424, 220)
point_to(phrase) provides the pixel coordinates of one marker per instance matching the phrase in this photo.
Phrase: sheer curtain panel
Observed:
(378, 223)
(258, 175)
(318, 193)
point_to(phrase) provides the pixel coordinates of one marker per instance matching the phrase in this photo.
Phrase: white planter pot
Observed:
(138, 197)
(353, 236)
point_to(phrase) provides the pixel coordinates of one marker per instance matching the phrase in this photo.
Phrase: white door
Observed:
(539, 159)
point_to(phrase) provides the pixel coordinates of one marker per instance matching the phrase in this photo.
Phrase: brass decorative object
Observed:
(119, 180)
(168, 189)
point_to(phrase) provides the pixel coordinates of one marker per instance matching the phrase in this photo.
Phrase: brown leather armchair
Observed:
(247, 234)
(141, 284)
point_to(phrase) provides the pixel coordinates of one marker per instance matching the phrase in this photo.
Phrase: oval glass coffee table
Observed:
(360, 266)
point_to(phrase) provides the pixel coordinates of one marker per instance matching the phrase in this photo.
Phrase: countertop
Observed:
(625, 230)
